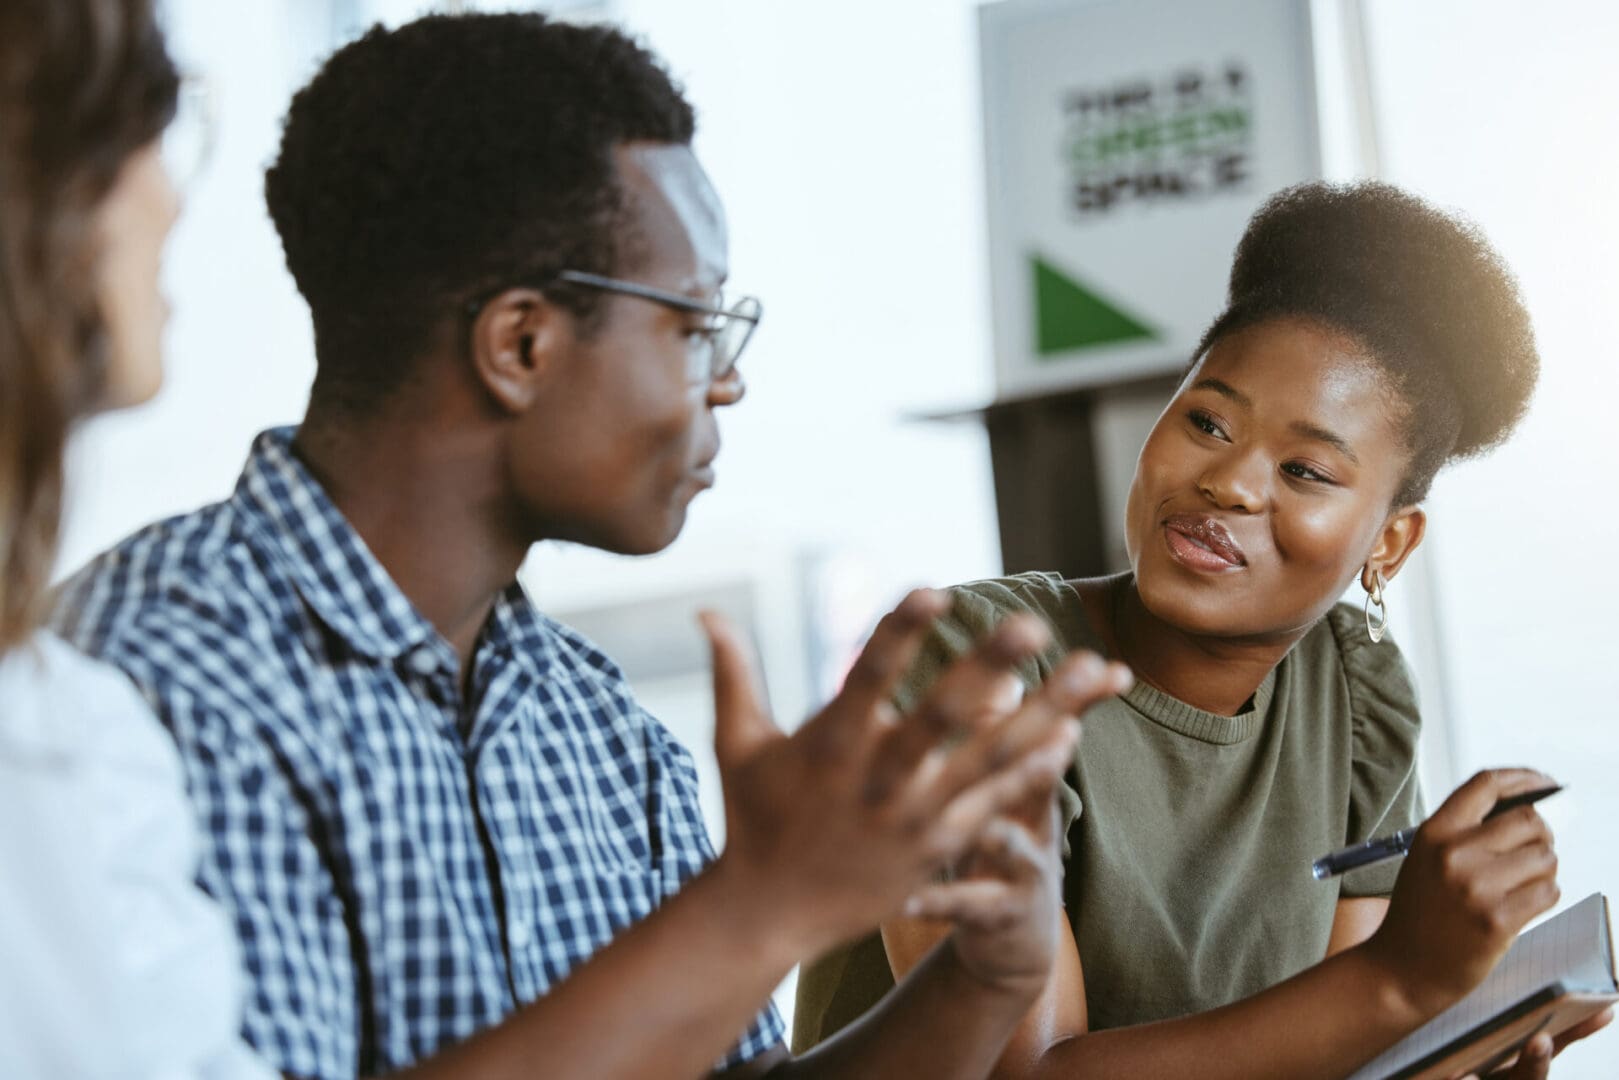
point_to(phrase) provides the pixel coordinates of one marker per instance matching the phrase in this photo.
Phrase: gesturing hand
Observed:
(831, 829)
(1005, 900)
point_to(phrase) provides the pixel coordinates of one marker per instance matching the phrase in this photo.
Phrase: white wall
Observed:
(1506, 111)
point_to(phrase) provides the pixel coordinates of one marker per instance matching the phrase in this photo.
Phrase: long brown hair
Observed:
(83, 85)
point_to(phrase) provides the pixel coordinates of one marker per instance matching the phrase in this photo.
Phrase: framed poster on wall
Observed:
(1127, 143)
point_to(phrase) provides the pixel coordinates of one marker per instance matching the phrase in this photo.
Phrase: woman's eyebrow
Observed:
(1331, 438)
(1224, 389)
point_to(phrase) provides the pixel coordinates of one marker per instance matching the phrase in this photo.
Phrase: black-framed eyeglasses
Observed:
(722, 340)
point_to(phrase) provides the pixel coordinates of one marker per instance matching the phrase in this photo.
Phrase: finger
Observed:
(1512, 830)
(1533, 898)
(1505, 873)
(1079, 682)
(1032, 776)
(741, 723)
(1469, 803)
(1582, 1030)
(977, 902)
(983, 682)
(974, 688)
(889, 652)
(1005, 850)
(1048, 825)
(1534, 1060)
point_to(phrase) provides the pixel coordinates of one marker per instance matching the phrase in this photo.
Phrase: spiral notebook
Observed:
(1554, 976)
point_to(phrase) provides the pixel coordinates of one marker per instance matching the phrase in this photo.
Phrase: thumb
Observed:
(741, 725)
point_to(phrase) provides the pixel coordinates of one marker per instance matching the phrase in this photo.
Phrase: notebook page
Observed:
(1569, 947)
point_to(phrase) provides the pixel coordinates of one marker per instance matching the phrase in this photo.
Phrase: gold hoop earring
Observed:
(1375, 597)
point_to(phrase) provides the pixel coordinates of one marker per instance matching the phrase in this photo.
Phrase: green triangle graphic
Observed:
(1070, 316)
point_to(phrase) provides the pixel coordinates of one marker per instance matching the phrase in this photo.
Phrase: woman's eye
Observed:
(1205, 423)
(1304, 472)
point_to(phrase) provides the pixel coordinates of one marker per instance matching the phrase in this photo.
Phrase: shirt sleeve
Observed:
(1385, 725)
(683, 849)
(263, 864)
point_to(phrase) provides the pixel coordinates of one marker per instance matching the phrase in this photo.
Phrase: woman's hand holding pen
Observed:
(1467, 888)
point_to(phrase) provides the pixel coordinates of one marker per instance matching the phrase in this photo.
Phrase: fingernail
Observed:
(922, 602)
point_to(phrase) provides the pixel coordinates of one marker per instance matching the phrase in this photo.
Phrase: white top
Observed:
(112, 962)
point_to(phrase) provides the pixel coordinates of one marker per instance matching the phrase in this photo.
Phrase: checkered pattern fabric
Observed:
(405, 868)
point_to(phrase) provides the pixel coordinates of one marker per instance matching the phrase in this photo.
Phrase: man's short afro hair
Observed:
(1420, 290)
(426, 166)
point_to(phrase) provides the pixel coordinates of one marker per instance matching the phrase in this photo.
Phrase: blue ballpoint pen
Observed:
(1390, 847)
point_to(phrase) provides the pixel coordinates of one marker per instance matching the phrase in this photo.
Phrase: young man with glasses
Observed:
(451, 841)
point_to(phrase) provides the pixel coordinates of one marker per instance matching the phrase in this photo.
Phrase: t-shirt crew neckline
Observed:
(1195, 723)
(1171, 712)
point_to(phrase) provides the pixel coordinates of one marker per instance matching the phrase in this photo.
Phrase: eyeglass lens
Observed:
(732, 336)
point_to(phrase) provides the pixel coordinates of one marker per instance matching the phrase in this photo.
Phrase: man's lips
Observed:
(1203, 541)
(703, 472)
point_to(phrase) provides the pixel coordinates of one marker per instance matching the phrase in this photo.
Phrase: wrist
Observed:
(1407, 1002)
(782, 931)
(1019, 990)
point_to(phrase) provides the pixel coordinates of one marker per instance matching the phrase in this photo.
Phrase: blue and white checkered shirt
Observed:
(404, 870)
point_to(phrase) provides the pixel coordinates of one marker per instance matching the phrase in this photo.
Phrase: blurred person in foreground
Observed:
(114, 963)
(1369, 339)
(451, 841)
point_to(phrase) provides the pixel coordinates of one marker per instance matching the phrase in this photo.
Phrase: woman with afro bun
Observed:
(1367, 340)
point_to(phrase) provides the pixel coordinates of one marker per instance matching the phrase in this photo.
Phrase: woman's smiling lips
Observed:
(1200, 542)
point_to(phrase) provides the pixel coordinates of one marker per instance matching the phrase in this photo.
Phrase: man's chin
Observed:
(649, 538)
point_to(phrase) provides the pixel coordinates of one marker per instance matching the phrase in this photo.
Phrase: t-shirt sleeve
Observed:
(1384, 792)
(684, 848)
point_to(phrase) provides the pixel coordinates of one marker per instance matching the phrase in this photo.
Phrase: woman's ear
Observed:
(516, 340)
(1400, 535)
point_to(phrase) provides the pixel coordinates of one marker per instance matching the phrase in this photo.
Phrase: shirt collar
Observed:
(519, 627)
(344, 583)
(336, 574)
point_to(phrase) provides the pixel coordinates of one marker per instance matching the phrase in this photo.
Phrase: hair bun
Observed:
(1422, 289)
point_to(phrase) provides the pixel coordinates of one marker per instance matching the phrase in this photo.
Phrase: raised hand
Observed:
(1005, 901)
(834, 827)
(1467, 888)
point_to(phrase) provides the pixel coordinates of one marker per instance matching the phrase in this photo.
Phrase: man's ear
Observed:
(1400, 535)
(517, 340)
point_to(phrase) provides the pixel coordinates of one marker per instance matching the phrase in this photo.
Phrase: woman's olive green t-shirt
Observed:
(1188, 854)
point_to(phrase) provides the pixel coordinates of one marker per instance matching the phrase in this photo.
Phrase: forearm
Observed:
(1324, 1022)
(940, 1021)
(666, 998)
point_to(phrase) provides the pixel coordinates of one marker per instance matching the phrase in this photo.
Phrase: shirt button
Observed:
(422, 661)
(520, 935)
